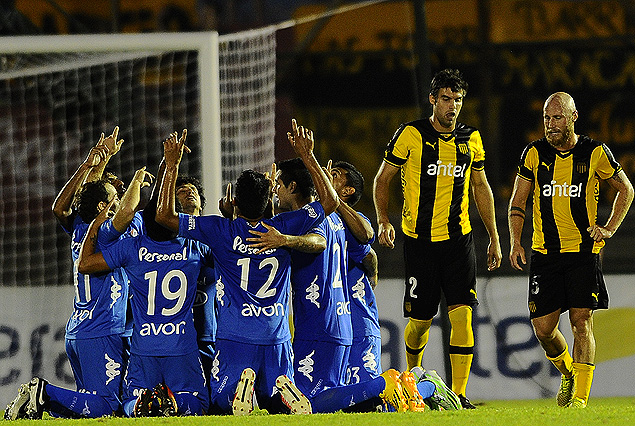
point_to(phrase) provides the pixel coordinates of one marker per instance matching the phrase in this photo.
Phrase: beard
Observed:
(559, 139)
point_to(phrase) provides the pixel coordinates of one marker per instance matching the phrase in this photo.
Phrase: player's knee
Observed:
(415, 332)
(461, 322)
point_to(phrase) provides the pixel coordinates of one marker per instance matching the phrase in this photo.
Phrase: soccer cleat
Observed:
(418, 373)
(165, 400)
(443, 397)
(292, 397)
(566, 391)
(38, 399)
(576, 403)
(17, 408)
(393, 392)
(411, 393)
(465, 403)
(145, 407)
(243, 403)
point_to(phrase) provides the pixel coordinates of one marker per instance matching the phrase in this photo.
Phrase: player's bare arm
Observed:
(484, 199)
(130, 200)
(272, 239)
(621, 204)
(361, 229)
(301, 140)
(64, 200)
(516, 221)
(381, 195)
(173, 149)
(88, 261)
(370, 265)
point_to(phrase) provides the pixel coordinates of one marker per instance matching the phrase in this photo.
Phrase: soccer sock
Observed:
(416, 336)
(563, 362)
(187, 404)
(461, 347)
(583, 374)
(426, 388)
(338, 398)
(128, 407)
(71, 404)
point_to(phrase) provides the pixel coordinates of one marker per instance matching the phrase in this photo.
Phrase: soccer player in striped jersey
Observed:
(562, 172)
(253, 336)
(440, 160)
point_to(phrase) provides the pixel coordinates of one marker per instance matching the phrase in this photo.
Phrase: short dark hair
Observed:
(253, 191)
(154, 230)
(451, 78)
(184, 180)
(354, 179)
(294, 170)
(89, 197)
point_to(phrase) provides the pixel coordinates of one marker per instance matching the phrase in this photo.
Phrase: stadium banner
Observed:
(508, 362)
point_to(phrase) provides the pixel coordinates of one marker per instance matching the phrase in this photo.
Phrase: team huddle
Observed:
(234, 351)
(290, 240)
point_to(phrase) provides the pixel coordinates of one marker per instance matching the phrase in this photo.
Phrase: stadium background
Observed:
(353, 78)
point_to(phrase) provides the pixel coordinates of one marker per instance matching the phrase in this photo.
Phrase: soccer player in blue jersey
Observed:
(96, 342)
(190, 197)
(365, 358)
(253, 339)
(320, 283)
(164, 375)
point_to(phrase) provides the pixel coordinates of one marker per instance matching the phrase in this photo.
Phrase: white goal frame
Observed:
(206, 43)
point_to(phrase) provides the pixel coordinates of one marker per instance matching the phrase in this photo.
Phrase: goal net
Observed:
(59, 93)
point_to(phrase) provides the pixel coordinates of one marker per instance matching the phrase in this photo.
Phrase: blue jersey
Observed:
(364, 313)
(205, 305)
(163, 278)
(252, 292)
(99, 308)
(321, 309)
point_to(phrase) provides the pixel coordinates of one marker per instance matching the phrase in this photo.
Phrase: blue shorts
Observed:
(267, 361)
(98, 365)
(319, 365)
(364, 362)
(182, 374)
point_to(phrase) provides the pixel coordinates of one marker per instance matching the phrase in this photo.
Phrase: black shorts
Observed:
(565, 280)
(433, 267)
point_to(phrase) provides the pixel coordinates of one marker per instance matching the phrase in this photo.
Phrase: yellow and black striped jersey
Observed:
(565, 193)
(435, 177)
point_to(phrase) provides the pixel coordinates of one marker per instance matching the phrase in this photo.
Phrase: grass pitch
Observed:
(541, 412)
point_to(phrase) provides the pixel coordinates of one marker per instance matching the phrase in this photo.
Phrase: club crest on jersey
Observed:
(312, 213)
(581, 168)
(463, 149)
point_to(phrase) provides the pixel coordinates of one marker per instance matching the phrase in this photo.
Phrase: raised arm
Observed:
(302, 141)
(381, 195)
(361, 229)
(516, 218)
(484, 199)
(166, 207)
(130, 200)
(621, 204)
(112, 146)
(90, 262)
(62, 206)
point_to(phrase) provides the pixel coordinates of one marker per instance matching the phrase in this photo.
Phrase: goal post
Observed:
(58, 93)
(205, 43)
